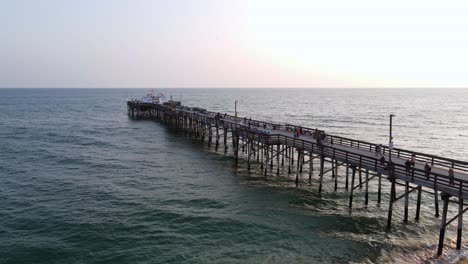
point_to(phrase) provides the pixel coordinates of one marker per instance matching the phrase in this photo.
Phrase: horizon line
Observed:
(234, 88)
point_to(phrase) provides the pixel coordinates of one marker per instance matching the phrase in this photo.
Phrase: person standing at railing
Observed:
(451, 176)
(413, 159)
(319, 142)
(378, 150)
(427, 170)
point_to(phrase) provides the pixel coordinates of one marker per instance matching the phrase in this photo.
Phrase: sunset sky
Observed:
(241, 43)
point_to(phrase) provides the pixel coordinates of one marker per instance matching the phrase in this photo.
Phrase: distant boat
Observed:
(152, 99)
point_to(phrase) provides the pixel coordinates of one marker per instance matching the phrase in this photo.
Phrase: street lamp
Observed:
(391, 174)
(235, 108)
(390, 141)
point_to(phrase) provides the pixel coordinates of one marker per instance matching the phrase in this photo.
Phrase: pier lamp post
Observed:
(391, 174)
(390, 141)
(235, 108)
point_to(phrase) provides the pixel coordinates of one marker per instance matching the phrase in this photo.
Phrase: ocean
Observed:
(81, 182)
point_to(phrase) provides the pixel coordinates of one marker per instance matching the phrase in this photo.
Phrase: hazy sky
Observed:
(233, 43)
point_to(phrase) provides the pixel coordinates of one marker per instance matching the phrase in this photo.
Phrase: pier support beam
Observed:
(443, 224)
(405, 218)
(298, 166)
(322, 161)
(217, 138)
(249, 152)
(334, 173)
(460, 222)
(271, 156)
(236, 148)
(390, 203)
(278, 153)
(436, 202)
(352, 186)
(367, 188)
(225, 140)
(360, 172)
(266, 157)
(258, 151)
(379, 190)
(418, 203)
(282, 156)
(347, 176)
(311, 167)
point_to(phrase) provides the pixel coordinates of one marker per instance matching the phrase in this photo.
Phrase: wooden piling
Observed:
(379, 189)
(390, 203)
(278, 153)
(322, 161)
(367, 188)
(443, 222)
(460, 223)
(335, 172)
(418, 204)
(347, 176)
(298, 166)
(352, 186)
(405, 219)
(311, 167)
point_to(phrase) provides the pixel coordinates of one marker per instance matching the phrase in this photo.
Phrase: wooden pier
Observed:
(272, 146)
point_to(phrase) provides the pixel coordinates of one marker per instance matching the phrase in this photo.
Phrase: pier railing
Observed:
(437, 180)
(403, 153)
(433, 160)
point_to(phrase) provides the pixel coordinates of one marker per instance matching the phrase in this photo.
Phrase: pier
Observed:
(273, 146)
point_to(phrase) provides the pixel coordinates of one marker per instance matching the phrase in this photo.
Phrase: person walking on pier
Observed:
(382, 161)
(297, 133)
(408, 166)
(427, 170)
(451, 176)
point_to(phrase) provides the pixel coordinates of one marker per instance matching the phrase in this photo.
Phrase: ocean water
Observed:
(80, 182)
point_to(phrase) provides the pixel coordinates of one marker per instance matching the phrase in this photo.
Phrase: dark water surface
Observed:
(82, 183)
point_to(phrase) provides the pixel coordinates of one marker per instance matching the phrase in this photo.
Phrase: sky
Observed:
(234, 44)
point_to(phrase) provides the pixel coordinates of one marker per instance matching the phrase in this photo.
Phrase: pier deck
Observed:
(272, 143)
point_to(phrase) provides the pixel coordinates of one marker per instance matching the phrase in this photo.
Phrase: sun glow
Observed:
(364, 43)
